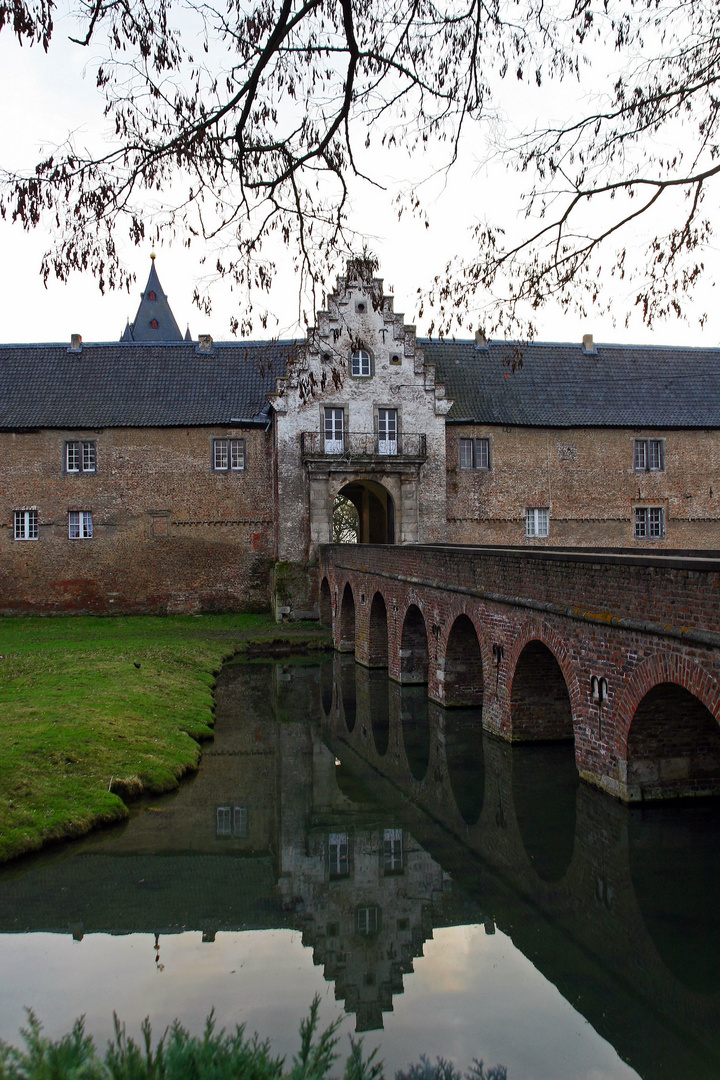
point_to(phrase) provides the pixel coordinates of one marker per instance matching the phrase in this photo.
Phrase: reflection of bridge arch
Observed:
(544, 790)
(544, 689)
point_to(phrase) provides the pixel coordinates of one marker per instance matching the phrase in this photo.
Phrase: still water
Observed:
(445, 893)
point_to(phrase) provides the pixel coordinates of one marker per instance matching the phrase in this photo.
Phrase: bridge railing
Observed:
(364, 444)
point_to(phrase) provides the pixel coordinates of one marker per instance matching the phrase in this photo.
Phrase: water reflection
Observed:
(544, 786)
(415, 728)
(466, 761)
(369, 838)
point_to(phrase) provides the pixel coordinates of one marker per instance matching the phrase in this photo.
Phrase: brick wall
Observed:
(585, 477)
(169, 533)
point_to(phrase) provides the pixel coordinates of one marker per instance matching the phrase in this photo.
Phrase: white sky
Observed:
(45, 96)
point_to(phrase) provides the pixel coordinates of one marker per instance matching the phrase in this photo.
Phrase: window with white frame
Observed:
(80, 524)
(338, 854)
(367, 921)
(231, 821)
(387, 431)
(649, 455)
(392, 851)
(334, 424)
(26, 525)
(228, 454)
(474, 453)
(649, 522)
(537, 521)
(80, 456)
(360, 363)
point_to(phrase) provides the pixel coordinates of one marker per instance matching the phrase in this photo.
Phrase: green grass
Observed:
(80, 720)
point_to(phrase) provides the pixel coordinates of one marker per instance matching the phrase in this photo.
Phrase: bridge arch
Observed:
(325, 604)
(346, 639)
(414, 650)
(667, 730)
(463, 665)
(543, 687)
(378, 632)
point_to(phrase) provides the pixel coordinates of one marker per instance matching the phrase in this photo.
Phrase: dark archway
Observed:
(327, 674)
(674, 853)
(673, 745)
(325, 604)
(414, 657)
(375, 511)
(378, 633)
(379, 710)
(463, 665)
(540, 708)
(544, 784)
(415, 729)
(348, 689)
(347, 621)
(465, 761)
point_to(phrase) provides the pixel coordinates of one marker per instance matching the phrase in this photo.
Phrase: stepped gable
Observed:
(154, 320)
(322, 359)
(564, 385)
(138, 385)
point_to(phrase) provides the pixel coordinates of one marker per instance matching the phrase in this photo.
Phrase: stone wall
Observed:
(169, 532)
(585, 477)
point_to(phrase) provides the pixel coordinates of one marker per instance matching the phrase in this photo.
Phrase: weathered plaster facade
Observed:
(405, 475)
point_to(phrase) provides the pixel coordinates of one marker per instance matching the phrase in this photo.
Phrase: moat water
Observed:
(445, 893)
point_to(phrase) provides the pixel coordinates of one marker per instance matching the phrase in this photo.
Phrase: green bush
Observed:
(213, 1056)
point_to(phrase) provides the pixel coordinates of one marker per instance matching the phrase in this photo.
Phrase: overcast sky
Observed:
(45, 96)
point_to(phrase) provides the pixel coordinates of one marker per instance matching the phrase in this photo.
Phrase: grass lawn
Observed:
(91, 706)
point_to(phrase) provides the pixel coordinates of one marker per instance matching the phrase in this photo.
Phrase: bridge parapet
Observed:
(617, 651)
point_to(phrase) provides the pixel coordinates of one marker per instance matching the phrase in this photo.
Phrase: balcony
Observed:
(360, 448)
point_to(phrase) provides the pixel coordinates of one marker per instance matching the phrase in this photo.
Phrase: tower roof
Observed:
(154, 320)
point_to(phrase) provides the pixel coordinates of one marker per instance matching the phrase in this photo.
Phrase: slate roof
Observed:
(154, 308)
(559, 385)
(129, 385)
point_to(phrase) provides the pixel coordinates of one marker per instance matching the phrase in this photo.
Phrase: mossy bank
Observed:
(94, 711)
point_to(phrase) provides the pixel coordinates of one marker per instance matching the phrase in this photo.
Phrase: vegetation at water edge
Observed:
(94, 711)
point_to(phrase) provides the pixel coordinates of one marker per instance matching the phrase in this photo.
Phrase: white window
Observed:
(537, 521)
(26, 525)
(474, 453)
(387, 431)
(237, 454)
(80, 526)
(392, 851)
(231, 821)
(220, 454)
(228, 454)
(360, 363)
(649, 523)
(367, 920)
(338, 854)
(80, 456)
(334, 425)
(649, 455)
(223, 821)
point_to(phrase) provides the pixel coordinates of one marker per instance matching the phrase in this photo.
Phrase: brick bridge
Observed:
(617, 651)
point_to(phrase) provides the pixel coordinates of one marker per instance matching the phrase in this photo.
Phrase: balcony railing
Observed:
(363, 444)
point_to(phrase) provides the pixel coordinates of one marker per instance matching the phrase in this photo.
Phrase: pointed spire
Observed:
(188, 335)
(154, 320)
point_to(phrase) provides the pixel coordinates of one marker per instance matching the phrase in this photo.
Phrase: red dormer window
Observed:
(154, 324)
(151, 295)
